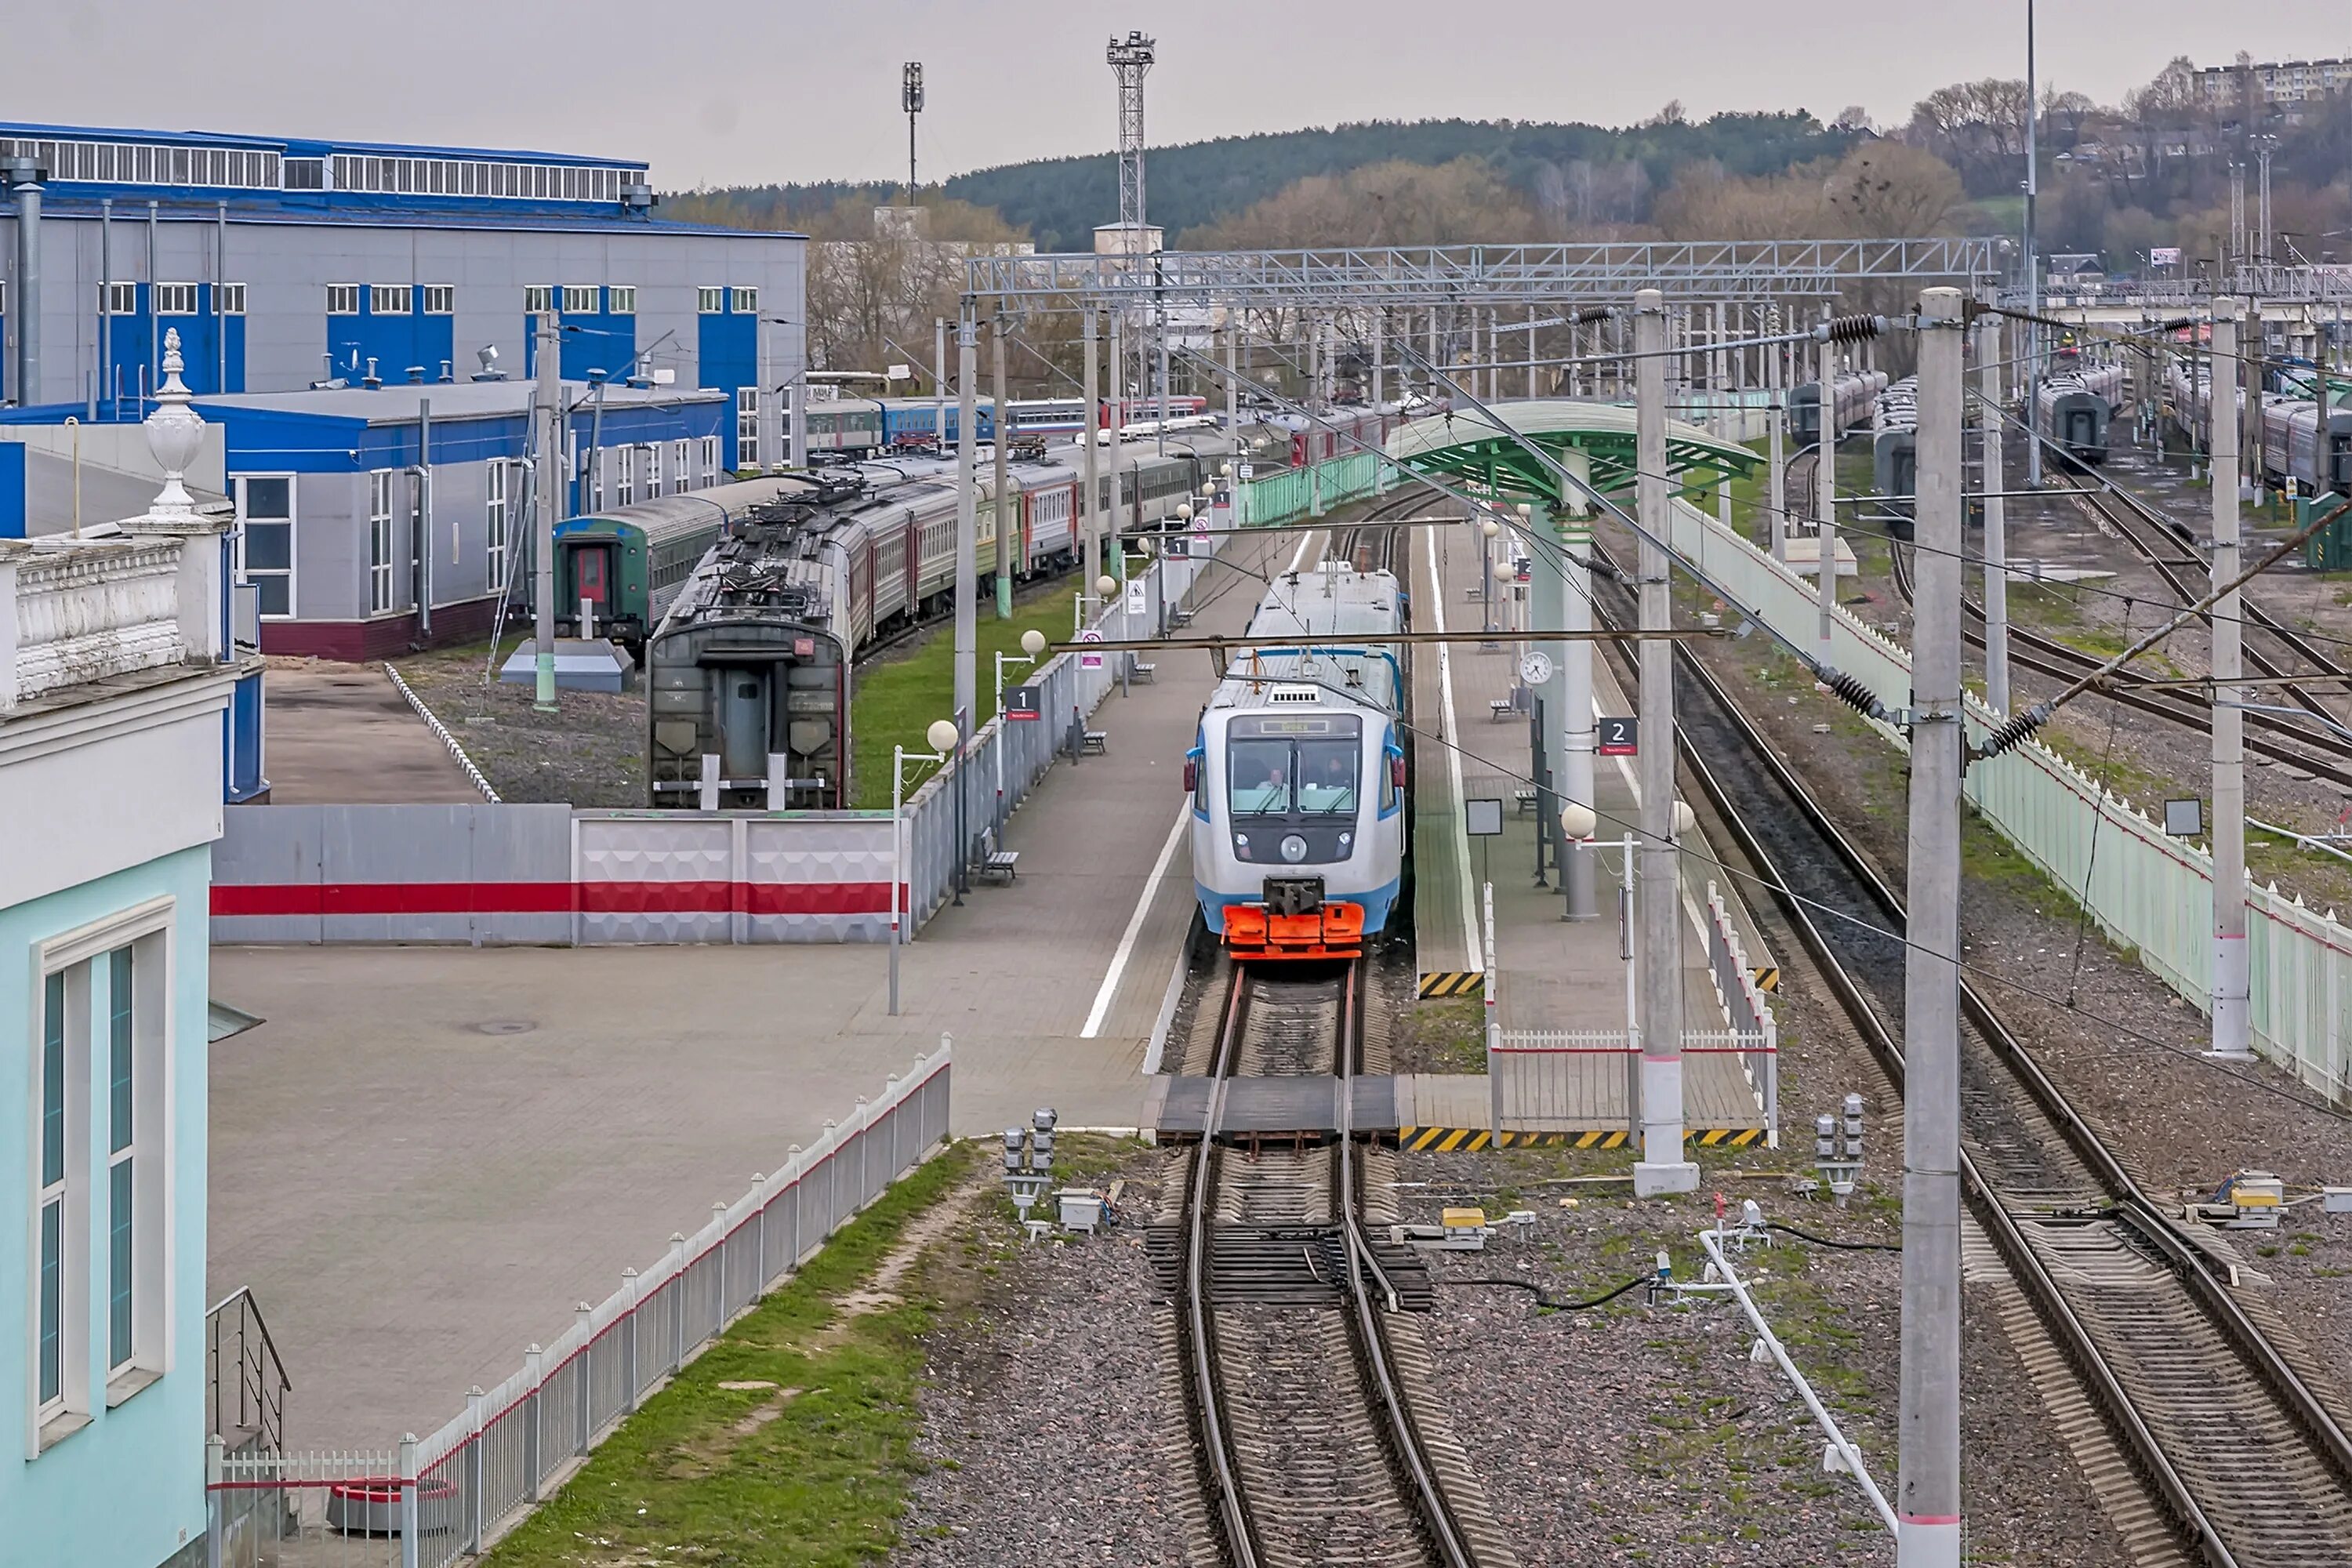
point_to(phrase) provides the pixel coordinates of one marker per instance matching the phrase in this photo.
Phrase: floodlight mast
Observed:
(910, 101)
(1130, 60)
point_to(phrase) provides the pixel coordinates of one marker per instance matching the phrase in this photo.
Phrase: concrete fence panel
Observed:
(393, 873)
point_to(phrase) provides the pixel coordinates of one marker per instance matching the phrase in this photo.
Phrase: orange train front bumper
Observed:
(1335, 931)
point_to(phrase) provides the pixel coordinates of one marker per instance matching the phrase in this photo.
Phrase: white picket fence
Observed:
(2148, 892)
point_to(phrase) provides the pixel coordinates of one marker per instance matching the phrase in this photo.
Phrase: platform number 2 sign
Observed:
(1620, 736)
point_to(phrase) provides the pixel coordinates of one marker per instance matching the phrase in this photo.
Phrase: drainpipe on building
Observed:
(25, 177)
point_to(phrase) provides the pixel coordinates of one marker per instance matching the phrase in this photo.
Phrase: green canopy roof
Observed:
(1466, 445)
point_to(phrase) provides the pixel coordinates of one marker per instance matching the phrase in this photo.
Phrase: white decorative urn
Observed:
(174, 432)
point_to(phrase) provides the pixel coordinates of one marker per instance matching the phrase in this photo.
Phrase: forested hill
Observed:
(1058, 201)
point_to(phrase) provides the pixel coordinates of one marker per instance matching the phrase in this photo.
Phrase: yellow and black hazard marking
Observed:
(1437, 983)
(1767, 979)
(1445, 1139)
(1470, 1140)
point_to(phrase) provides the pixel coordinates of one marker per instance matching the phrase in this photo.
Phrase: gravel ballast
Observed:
(1043, 1414)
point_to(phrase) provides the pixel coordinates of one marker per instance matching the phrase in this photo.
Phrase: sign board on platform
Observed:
(1246, 469)
(1482, 818)
(1023, 702)
(900, 373)
(1137, 603)
(1177, 546)
(1621, 735)
(1090, 660)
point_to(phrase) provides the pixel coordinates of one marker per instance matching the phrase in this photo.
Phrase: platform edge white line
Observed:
(1472, 949)
(1101, 1008)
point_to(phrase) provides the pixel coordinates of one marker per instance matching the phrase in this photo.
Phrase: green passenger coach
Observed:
(628, 562)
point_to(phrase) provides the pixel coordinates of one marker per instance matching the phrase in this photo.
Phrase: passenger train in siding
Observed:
(629, 562)
(2074, 405)
(1851, 394)
(778, 611)
(1299, 775)
(2291, 447)
(848, 428)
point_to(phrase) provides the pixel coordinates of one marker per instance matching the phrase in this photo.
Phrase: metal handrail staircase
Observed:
(245, 1382)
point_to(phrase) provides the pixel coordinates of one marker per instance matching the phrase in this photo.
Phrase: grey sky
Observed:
(730, 93)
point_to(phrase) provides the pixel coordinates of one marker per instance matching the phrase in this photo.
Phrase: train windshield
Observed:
(1327, 777)
(1314, 777)
(1260, 772)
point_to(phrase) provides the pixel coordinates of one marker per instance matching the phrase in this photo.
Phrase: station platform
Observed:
(484, 1136)
(1553, 976)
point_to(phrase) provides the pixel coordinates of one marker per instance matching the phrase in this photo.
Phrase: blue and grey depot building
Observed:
(357, 318)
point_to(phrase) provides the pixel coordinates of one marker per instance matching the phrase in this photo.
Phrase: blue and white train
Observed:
(1298, 773)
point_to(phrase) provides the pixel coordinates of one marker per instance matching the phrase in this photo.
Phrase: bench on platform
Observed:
(994, 865)
(1501, 708)
(1526, 795)
(1098, 744)
(1141, 671)
(1180, 617)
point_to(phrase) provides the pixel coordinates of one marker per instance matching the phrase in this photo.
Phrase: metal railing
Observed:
(428, 1502)
(1752, 1029)
(1537, 1079)
(245, 1380)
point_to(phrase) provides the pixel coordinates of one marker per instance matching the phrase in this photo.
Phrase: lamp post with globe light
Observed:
(1033, 648)
(942, 735)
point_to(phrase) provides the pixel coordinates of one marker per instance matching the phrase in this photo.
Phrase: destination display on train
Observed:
(1333, 724)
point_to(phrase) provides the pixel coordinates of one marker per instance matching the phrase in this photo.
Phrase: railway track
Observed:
(1304, 1434)
(2221, 1435)
(2170, 548)
(2281, 739)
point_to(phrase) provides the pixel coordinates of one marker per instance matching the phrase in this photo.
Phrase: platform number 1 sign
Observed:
(1621, 736)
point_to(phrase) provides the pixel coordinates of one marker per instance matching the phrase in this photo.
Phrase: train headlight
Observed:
(1294, 848)
(1346, 840)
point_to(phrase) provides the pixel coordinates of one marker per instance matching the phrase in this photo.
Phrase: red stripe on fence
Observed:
(391, 898)
(320, 899)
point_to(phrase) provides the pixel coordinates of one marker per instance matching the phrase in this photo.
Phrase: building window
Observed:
(678, 459)
(343, 298)
(265, 511)
(228, 299)
(55, 1269)
(494, 529)
(388, 298)
(708, 301)
(709, 473)
(746, 429)
(306, 174)
(579, 298)
(379, 541)
(622, 299)
(440, 299)
(102, 1172)
(624, 477)
(122, 1163)
(747, 301)
(117, 298)
(174, 299)
(538, 299)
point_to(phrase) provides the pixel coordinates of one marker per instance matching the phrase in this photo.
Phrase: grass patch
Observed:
(1451, 1033)
(815, 1478)
(894, 702)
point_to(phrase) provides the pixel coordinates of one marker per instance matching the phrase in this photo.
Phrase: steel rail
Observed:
(2132, 1209)
(2044, 654)
(1428, 1498)
(1213, 1434)
(2115, 504)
